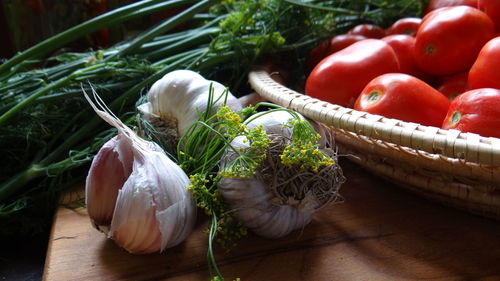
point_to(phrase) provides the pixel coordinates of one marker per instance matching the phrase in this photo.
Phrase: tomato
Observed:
(436, 4)
(485, 72)
(368, 30)
(492, 9)
(475, 111)
(408, 26)
(317, 54)
(403, 46)
(449, 39)
(342, 41)
(340, 77)
(454, 85)
(403, 97)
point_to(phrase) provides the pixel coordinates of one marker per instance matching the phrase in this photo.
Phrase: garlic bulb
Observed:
(180, 96)
(136, 194)
(277, 199)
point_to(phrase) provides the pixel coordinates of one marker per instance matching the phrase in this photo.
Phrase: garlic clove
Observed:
(153, 210)
(135, 228)
(108, 172)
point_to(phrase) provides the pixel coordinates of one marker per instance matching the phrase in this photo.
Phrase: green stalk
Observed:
(210, 253)
(78, 92)
(165, 26)
(202, 37)
(41, 75)
(216, 60)
(324, 8)
(18, 181)
(162, 5)
(112, 17)
(4, 118)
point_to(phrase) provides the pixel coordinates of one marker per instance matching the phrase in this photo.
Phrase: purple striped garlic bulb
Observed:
(136, 194)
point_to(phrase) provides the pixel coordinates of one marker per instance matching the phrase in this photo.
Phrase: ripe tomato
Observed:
(436, 4)
(475, 111)
(408, 26)
(340, 77)
(368, 30)
(449, 39)
(317, 54)
(454, 85)
(484, 73)
(492, 9)
(330, 46)
(342, 41)
(403, 97)
(403, 46)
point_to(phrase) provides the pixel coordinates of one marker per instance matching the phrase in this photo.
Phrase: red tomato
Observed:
(492, 9)
(436, 4)
(449, 39)
(454, 85)
(403, 97)
(485, 72)
(406, 26)
(403, 46)
(317, 54)
(475, 111)
(340, 77)
(342, 41)
(368, 30)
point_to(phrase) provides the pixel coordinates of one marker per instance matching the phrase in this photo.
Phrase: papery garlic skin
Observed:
(183, 94)
(254, 200)
(108, 172)
(273, 123)
(152, 208)
(251, 199)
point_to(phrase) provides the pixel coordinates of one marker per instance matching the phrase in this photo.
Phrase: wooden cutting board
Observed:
(380, 232)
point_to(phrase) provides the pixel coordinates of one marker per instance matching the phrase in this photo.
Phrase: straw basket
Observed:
(458, 169)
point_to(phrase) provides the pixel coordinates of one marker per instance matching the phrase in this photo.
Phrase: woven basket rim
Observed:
(452, 143)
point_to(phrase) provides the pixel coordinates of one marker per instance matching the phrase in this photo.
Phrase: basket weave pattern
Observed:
(459, 169)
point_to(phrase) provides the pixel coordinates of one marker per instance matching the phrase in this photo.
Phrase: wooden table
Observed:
(380, 232)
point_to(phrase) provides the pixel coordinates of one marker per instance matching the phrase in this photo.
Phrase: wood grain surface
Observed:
(380, 232)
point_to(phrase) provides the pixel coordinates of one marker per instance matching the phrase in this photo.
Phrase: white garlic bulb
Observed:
(277, 199)
(138, 195)
(181, 95)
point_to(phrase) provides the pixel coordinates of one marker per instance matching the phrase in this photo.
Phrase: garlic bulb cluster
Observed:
(136, 194)
(181, 95)
(277, 199)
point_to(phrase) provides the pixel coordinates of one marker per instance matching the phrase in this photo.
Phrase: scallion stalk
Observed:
(105, 20)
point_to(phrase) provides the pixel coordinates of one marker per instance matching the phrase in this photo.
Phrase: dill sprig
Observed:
(303, 151)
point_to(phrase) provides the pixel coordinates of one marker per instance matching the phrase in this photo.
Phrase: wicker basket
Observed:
(458, 169)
